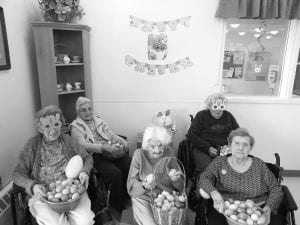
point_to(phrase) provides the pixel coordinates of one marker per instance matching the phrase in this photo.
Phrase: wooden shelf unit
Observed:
(75, 40)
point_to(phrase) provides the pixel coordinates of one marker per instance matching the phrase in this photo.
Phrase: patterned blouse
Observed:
(257, 183)
(53, 163)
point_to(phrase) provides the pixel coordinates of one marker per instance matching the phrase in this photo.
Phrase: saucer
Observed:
(75, 61)
(60, 89)
(77, 88)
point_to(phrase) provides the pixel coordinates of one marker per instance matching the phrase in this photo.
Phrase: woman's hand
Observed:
(218, 201)
(84, 179)
(148, 182)
(213, 152)
(39, 191)
(267, 211)
(174, 175)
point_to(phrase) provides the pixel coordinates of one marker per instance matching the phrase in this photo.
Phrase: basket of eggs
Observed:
(64, 195)
(245, 213)
(169, 207)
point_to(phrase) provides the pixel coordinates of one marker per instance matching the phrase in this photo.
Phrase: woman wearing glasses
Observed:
(152, 168)
(209, 130)
(240, 176)
(108, 149)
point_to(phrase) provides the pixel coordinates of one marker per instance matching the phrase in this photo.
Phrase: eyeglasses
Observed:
(242, 144)
(85, 110)
(152, 147)
(218, 107)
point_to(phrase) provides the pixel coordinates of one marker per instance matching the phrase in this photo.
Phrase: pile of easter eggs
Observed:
(244, 212)
(64, 190)
(170, 201)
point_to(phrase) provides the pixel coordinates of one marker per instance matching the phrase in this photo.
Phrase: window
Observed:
(254, 53)
(296, 88)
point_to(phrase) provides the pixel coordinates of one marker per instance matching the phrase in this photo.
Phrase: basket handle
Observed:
(180, 166)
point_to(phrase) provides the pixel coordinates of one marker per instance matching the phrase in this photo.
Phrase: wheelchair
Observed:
(185, 155)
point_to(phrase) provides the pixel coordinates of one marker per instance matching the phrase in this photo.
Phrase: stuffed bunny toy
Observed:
(165, 120)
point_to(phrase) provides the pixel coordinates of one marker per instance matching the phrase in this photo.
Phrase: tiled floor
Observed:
(127, 218)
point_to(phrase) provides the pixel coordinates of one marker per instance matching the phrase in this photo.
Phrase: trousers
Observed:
(142, 212)
(114, 173)
(44, 215)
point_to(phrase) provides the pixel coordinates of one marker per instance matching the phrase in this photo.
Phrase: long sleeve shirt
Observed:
(27, 171)
(206, 131)
(142, 165)
(257, 183)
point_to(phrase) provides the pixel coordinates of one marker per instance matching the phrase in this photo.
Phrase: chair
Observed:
(287, 207)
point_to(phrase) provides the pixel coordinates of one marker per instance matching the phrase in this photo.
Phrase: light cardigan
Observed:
(102, 129)
(142, 165)
(27, 170)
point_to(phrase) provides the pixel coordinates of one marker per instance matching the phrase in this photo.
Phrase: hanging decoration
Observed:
(160, 69)
(149, 26)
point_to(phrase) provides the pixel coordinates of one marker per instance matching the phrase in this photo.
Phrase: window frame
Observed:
(289, 66)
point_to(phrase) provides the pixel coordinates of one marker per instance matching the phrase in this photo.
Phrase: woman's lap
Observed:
(81, 215)
(142, 212)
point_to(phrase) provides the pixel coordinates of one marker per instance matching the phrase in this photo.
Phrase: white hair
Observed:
(213, 97)
(157, 133)
(80, 101)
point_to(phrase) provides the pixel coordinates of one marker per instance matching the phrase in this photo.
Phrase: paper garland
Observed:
(149, 26)
(151, 69)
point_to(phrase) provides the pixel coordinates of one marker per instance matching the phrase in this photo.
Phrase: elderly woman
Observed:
(43, 160)
(240, 176)
(108, 149)
(209, 130)
(152, 158)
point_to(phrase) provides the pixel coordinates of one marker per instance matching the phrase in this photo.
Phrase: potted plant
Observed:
(63, 11)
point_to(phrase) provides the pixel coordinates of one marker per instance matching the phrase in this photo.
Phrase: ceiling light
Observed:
(274, 32)
(234, 25)
(256, 35)
(242, 33)
(257, 29)
(269, 37)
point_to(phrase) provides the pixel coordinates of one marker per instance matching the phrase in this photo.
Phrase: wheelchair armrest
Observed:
(17, 189)
(122, 136)
(288, 199)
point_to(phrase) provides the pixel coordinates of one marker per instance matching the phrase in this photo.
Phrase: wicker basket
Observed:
(174, 217)
(62, 207)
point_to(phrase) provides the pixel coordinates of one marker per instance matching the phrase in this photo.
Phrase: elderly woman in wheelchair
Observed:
(143, 181)
(240, 176)
(43, 161)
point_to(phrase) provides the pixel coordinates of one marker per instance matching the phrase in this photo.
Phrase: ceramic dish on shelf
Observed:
(75, 61)
(60, 89)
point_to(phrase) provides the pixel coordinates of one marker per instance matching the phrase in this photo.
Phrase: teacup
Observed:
(60, 86)
(76, 58)
(68, 87)
(77, 85)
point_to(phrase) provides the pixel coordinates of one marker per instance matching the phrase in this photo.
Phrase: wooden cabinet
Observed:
(52, 42)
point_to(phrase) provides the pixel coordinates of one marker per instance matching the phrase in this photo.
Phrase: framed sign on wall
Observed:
(4, 52)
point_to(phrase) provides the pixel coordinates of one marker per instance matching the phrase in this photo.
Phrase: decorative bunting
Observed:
(149, 26)
(160, 69)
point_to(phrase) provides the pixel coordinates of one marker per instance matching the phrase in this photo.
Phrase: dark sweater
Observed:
(257, 183)
(206, 131)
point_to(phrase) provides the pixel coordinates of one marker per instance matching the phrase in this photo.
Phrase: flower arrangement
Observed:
(61, 10)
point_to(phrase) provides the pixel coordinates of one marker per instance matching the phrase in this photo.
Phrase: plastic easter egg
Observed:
(74, 167)
(262, 220)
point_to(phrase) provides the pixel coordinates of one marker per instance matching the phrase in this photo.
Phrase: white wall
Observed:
(18, 86)
(128, 99)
